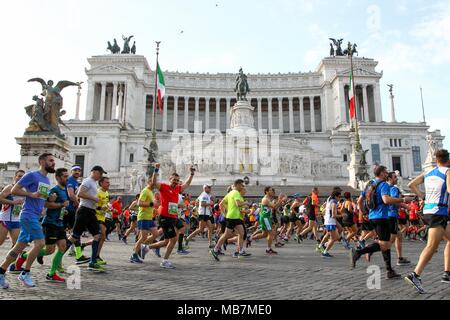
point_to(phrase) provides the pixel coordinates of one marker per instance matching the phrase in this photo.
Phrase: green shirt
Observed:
(233, 211)
(147, 212)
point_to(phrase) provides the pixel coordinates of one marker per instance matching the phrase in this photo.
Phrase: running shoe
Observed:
(354, 256)
(214, 254)
(83, 260)
(220, 253)
(403, 262)
(166, 264)
(101, 262)
(157, 252)
(244, 254)
(235, 255)
(26, 279)
(362, 244)
(124, 240)
(279, 245)
(3, 283)
(271, 252)
(144, 251)
(392, 275)
(445, 277)
(186, 242)
(135, 259)
(55, 278)
(183, 252)
(326, 255)
(12, 269)
(95, 267)
(415, 281)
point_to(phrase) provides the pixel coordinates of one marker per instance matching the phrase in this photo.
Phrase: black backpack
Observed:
(370, 200)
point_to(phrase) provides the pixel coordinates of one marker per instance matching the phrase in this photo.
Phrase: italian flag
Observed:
(351, 97)
(160, 87)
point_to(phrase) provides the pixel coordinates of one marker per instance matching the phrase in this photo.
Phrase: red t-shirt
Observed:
(118, 209)
(413, 211)
(168, 195)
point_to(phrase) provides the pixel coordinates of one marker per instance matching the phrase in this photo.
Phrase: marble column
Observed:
(121, 102)
(197, 109)
(302, 115)
(270, 114)
(365, 104)
(344, 107)
(175, 114)
(323, 113)
(103, 101)
(164, 128)
(228, 113)
(280, 115)
(259, 114)
(377, 103)
(313, 117)
(108, 110)
(114, 102)
(291, 115)
(207, 99)
(218, 113)
(186, 113)
(90, 101)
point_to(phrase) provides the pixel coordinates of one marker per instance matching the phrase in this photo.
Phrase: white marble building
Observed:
(314, 147)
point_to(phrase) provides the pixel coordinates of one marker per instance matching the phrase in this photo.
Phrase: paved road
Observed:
(298, 272)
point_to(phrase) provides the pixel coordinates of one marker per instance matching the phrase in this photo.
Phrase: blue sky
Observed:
(52, 39)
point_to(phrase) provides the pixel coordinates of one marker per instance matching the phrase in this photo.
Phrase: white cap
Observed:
(206, 186)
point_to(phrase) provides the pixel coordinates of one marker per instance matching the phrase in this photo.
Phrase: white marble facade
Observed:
(314, 147)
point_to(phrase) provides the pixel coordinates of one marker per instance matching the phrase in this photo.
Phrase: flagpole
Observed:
(423, 106)
(152, 152)
(358, 146)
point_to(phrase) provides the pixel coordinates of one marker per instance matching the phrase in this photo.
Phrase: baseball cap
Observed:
(100, 169)
(75, 168)
(206, 186)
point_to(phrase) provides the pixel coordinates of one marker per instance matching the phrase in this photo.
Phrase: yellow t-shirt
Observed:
(103, 200)
(147, 212)
(233, 211)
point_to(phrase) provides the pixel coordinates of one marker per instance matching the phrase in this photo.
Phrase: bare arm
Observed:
(17, 190)
(154, 176)
(390, 200)
(82, 193)
(6, 192)
(73, 196)
(360, 205)
(414, 185)
(334, 210)
(448, 180)
(188, 180)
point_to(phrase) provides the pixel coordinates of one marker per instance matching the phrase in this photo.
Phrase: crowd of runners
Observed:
(58, 217)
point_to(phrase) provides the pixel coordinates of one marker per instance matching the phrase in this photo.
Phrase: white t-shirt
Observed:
(204, 211)
(91, 187)
(328, 218)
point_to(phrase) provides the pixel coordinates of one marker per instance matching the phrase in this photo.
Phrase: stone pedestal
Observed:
(242, 116)
(358, 173)
(32, 146)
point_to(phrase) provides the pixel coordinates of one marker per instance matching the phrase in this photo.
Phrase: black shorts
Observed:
(435, 221)
(274, 219)
(284, 220)
(85, 219)
(339, 220)
(69, 219)
(168, 226)
(414, 222)
(402, 221)
(116, 220)
(206, 218)
(368, 226)
(133, 217)
(223, 225)
(347, 223)
(180, 223)
(53, 233)
(233, 223)
(382, 228)
(293, 218)
(393, 225)
(302, 220)
(312, 216)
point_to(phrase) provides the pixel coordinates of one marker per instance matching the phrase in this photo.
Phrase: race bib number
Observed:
(62, 214)
(173, 208)
(43, 189)
(17, 209)
(108, 215)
